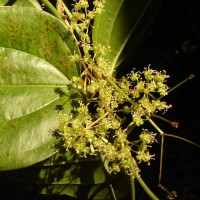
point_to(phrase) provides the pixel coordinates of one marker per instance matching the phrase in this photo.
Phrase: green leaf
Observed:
(125, 21)
(31, 92)
(35, 64)
(24, 3)
(66, 174)
(40, 34)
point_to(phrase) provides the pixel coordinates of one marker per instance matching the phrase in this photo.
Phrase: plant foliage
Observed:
(61, 105)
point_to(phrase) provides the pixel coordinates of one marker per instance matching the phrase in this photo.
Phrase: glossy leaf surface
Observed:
(40, 34)
(121, 26)
(34, 65)
(29, 88)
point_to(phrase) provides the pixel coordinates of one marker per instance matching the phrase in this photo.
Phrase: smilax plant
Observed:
(60, 97)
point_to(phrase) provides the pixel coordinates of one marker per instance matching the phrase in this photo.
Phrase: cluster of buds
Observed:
(100, 131)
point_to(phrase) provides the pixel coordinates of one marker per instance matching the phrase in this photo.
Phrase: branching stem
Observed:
(174, 124)
(179, 84)
(154, 125)
(146, 188)
(119, 90)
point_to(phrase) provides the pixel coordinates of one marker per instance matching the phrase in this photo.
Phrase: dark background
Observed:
(172, 44)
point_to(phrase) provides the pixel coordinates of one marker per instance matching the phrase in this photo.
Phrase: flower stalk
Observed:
(95, 126)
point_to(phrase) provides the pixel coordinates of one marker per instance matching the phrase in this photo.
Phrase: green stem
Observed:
(51, 8)
(182, 82)
(112, 191)
(119, 90)
(181, 138)
(136, 175)
(179, 84)
(174, 124)
(129, 128)
(132, 188)
(154, 125)
(63, 8)
(161, 158)
(162, 144)
(67, 11)
(146, 188)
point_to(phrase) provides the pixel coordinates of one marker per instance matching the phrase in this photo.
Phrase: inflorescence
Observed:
(100, 131)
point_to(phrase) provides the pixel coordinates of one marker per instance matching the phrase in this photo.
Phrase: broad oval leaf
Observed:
(27, 83)
(40, 34)
(32, 91)
(125, 22)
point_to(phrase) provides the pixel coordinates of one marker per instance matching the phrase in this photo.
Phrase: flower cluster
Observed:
(93, 137)
(146, 89)
(100, 131)
(81, 17)
(80, 24)
(147, 139)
